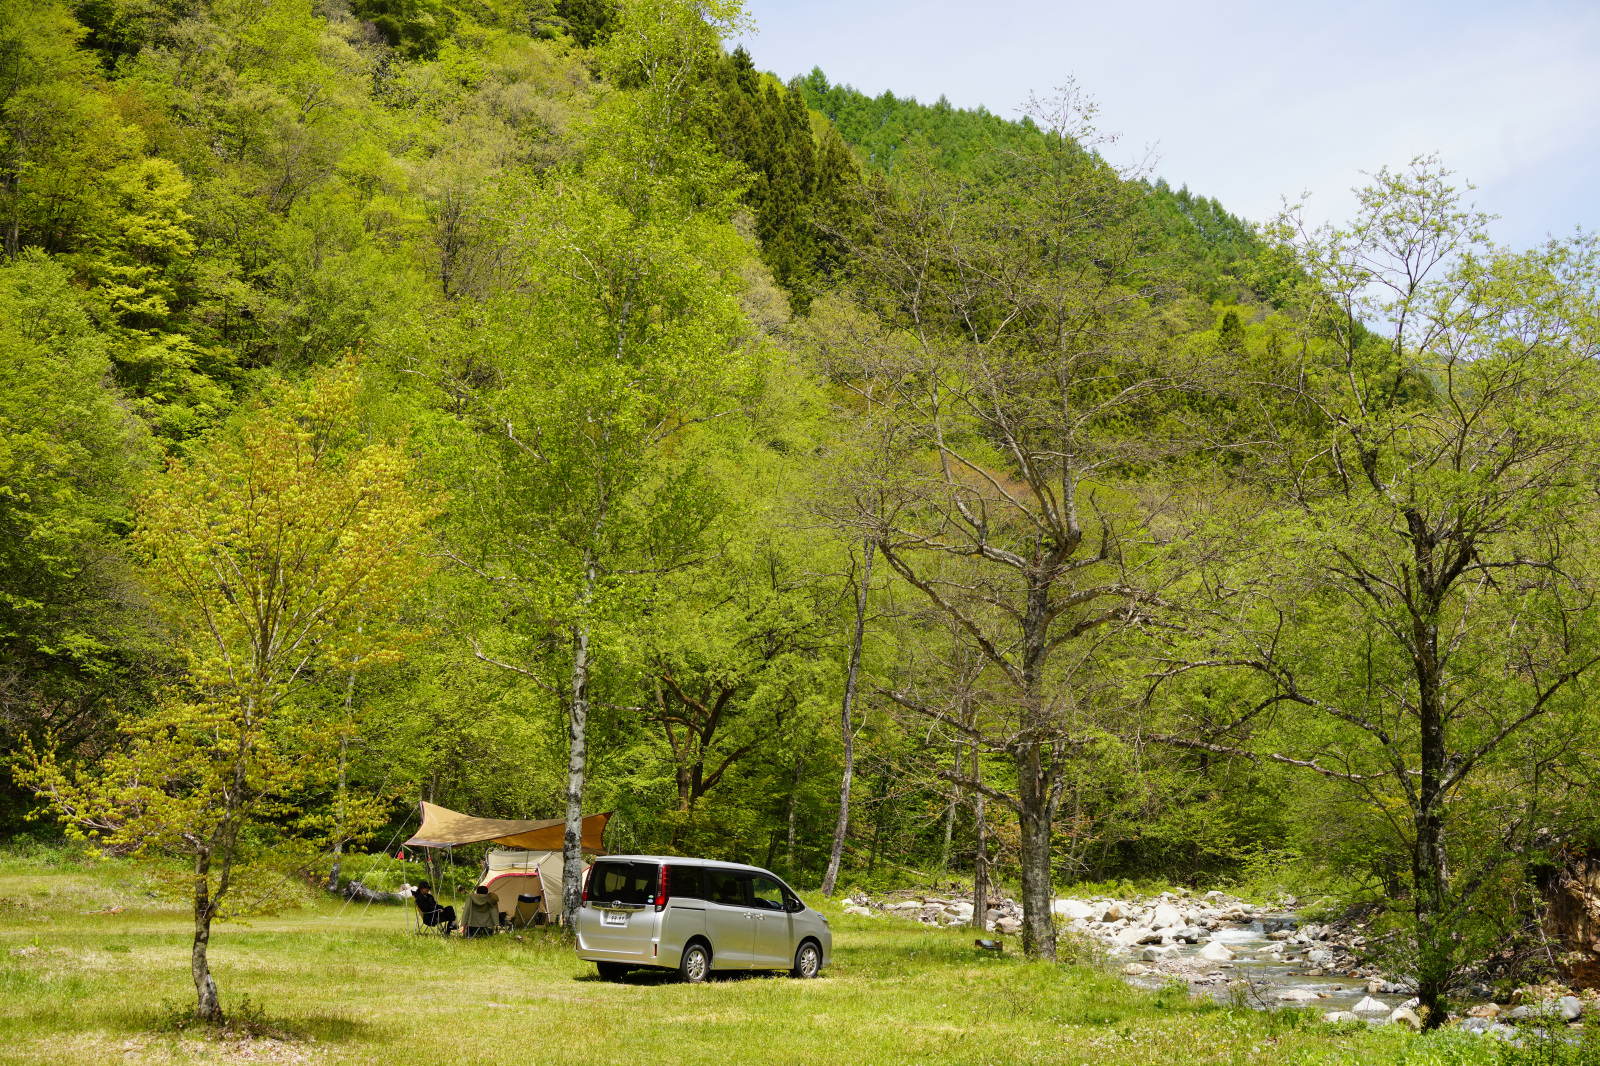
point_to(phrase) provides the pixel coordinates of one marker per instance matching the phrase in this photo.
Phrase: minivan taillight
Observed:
(663, 894)
(585, 899)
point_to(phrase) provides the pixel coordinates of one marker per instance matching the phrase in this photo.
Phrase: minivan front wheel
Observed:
(695, 966)
(807, 961)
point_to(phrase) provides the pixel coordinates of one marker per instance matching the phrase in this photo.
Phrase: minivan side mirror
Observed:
(793, 904)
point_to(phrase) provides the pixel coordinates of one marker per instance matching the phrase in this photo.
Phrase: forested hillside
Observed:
(537, 409)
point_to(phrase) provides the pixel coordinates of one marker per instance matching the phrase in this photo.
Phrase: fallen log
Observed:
(357, 892)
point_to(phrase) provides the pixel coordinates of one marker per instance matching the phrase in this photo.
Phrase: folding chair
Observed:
(528, 912)
(431, 919)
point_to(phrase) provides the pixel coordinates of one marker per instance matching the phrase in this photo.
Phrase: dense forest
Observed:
(535, 408)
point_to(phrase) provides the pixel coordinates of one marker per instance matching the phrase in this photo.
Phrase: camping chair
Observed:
(480, 917)
(430, 917)
(527, 911)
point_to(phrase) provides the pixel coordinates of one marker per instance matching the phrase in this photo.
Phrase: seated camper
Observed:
(482, 914)
(429, 910)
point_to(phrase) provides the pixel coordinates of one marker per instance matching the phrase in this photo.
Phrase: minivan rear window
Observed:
(623, 882)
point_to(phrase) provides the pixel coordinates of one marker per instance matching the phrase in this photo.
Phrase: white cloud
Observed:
(1249, 102)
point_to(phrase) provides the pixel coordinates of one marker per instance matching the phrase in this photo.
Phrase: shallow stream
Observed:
(1268, 976)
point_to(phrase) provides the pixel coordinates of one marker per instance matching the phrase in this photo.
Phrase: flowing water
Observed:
(1268, 975)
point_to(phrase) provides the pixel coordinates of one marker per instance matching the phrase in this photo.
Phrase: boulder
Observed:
(1297, 995)
(1007, 926)
(1133, 934)
(1134, 969)
(1487, 1027)
(1334, 1017)
(1368, 1005)
(856, 909)
(1216, 951)
(1319, 957)
(1073, 908)
(1570, 1008)
(1407, 1017)
(1165, 916)
(1111, 912)
(1484, 1010)
(1156, 954)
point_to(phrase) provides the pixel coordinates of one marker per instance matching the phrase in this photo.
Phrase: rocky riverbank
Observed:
(1228, 947)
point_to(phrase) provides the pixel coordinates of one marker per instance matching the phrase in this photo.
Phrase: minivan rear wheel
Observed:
(807, 961)
(695, 966)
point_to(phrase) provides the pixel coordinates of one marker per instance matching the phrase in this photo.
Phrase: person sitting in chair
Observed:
(483, 912)
(428, 908)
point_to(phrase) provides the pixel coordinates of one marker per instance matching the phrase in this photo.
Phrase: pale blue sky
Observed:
(1250, 101)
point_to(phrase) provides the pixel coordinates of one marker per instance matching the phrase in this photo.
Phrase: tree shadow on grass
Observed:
(247, 1019)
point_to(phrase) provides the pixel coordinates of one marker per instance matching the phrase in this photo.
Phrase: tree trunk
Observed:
(1038, 926)
(980, 857)
(577, 758)
(794, 795)
(846, 725)
(772, 848)
(1430, 874)
(207, 1007)
(950, 818)
(1034, 784)
(344, 764)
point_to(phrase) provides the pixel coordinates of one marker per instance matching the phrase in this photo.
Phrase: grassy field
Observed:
(354, 985)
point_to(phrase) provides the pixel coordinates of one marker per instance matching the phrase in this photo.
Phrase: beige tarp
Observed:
(442, 827)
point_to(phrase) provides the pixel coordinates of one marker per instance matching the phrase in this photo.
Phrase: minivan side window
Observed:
(683, 882)
(725, 886)
(766, 893)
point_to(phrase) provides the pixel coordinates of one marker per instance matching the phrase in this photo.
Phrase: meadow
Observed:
(326, 982)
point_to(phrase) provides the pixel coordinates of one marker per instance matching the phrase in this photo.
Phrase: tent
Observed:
(443, 828)
(510, 874)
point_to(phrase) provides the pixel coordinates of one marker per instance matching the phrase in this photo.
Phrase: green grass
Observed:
(355, 985)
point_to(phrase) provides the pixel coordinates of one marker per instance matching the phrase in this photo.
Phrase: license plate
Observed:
(614, 918)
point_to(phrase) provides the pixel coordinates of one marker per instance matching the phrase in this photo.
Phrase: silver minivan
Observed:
(696, 916)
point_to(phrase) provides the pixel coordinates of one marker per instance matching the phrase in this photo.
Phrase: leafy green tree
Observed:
(1425, 593)
(573, 401)
(72, 637)
(287, 546)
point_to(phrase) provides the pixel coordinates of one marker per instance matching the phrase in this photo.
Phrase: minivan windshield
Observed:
(623, 882)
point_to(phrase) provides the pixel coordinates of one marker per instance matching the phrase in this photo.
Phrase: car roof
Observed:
(686, 860)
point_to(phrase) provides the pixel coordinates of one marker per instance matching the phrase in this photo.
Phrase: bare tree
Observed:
(847, 726)
(1015, 351)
